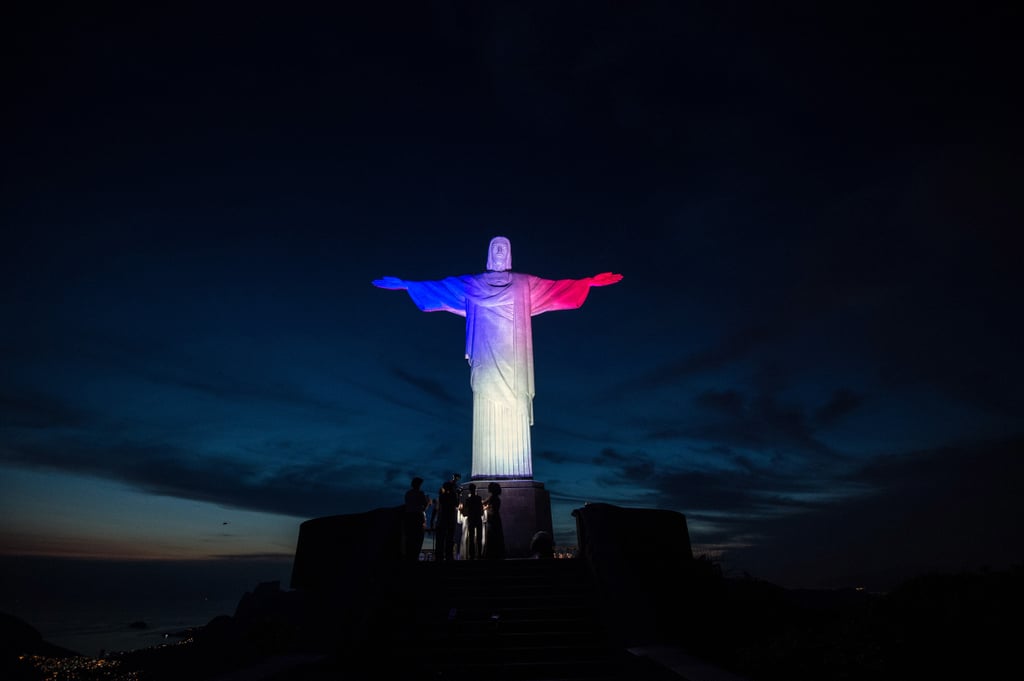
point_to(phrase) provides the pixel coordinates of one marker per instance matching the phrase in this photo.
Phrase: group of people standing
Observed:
(483, 534)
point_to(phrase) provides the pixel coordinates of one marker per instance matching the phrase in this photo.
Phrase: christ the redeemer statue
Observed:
(498, 305)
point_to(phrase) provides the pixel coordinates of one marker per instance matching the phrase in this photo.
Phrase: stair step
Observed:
(529, 639)
(516, 620)
(568, 668)
(539, 627)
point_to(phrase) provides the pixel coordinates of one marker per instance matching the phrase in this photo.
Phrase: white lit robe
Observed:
(498, 307)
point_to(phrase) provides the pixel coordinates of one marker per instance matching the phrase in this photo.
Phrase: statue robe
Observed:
(498, 307)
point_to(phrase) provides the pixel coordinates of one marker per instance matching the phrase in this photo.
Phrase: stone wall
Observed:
(650, 585)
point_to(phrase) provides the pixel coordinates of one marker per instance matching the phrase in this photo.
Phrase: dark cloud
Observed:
(734, 486)
(573, 499)
(619, 470)
(839, 405)
(759, 424)
(945, 509)
(961, 371)
(728, 350)
(328, 484)
(215, 382)
(610, 456)
(28, 409)
(431, 387)
(949, 509)
(727, 402)
(552, 456)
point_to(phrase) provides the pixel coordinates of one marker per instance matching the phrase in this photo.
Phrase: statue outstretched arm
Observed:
(448, 294)
(391, 283)
(564, 294)
(605, 279)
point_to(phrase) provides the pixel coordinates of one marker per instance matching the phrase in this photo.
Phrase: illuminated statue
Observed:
(498, 305)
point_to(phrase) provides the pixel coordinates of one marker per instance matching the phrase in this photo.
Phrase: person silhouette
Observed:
(472, 509)
(447, 518)
(414, 520)
(542, 545)
(494, 534)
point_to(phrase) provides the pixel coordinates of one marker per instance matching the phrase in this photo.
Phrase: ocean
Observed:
(97, 606)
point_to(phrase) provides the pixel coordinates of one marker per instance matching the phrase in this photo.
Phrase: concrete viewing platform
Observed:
(594, 616)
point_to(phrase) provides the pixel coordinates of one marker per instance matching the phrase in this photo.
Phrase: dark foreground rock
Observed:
(361, 619)
(18, 641)
(934, 625)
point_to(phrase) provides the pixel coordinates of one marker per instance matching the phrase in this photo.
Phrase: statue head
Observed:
(499, 255)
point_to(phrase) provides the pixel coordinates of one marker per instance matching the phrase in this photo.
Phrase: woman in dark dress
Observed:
(494, 535)
(414, 520)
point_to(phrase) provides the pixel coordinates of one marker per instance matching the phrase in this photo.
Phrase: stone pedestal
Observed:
(525, 510)
(335, 552)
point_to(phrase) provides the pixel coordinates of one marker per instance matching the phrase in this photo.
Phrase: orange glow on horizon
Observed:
(56, 546)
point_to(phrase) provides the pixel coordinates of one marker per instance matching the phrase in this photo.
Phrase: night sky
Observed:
(814, 353)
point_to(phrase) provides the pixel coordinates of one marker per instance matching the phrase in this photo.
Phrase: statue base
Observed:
(525, 510)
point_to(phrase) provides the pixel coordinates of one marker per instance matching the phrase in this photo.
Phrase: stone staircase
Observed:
(519, 620)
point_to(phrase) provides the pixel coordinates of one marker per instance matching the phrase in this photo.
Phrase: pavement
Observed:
(685, 665)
